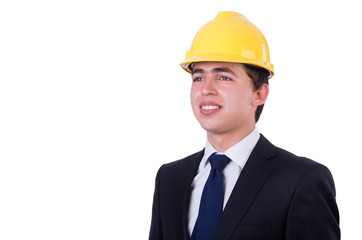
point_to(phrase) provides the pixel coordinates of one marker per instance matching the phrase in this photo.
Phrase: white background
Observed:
(93, 101)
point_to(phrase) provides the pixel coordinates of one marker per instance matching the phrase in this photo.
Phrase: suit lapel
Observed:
(195, 161)
(251, 180)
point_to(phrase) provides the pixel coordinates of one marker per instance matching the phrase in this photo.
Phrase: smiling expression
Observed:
(222, 98)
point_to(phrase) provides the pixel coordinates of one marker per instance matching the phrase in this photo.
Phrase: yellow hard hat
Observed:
(230, 37)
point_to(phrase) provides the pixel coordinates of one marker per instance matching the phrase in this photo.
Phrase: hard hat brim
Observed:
(187, 64)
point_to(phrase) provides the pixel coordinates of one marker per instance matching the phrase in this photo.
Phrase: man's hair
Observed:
(259, 76)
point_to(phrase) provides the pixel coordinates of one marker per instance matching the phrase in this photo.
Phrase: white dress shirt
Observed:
(239, 154)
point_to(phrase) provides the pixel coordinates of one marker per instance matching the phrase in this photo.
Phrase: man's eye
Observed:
(197, 79)
(223, 78)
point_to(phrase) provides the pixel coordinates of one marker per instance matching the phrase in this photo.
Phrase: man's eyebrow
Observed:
(214, 70)
(198, 70)
(222, 69)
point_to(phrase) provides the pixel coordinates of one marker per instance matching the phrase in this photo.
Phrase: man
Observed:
(240, 186)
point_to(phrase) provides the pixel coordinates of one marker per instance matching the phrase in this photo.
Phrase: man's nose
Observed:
(209, 87)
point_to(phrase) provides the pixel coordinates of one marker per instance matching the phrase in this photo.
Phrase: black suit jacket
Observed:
(278, 196)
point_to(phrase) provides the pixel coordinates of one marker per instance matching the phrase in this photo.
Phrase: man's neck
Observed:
(222, 142)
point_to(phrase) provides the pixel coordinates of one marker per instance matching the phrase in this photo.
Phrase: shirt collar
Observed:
(238, 153)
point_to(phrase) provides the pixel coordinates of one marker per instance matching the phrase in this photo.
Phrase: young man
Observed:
(240, 186)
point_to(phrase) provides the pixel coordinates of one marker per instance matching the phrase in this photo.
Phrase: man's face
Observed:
(223, 99)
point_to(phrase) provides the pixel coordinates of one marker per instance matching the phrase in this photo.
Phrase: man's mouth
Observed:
(209, 107)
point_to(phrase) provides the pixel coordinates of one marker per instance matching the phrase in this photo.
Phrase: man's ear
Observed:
(261, 95)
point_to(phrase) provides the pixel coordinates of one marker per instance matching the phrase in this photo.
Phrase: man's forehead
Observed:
(215, 67)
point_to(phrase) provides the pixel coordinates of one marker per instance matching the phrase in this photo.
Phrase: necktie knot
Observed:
(219, 161)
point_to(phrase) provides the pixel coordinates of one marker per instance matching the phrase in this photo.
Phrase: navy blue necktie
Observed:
(211, 205)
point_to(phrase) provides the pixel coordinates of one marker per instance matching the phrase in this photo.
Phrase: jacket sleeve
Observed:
(156, 228)
(313, 212)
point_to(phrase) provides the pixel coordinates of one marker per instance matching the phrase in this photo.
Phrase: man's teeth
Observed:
(209, 107)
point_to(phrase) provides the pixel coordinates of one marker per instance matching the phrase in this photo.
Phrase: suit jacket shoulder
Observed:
(182, 166)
